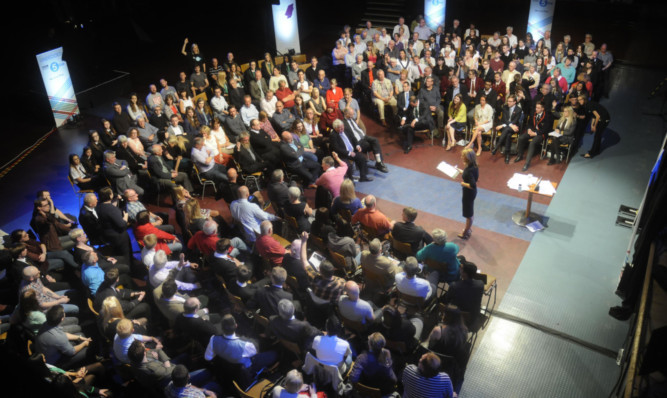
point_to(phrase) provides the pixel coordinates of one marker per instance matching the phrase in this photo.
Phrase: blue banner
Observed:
(286, 26)
(58, 83)
(540, 17)
(434, 13)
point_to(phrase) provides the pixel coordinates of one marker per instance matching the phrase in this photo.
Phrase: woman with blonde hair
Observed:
(469, 176)
(483, 115)
(565, 127)
(347, 200)
(457, 119)
(177, 149)
(111, 313)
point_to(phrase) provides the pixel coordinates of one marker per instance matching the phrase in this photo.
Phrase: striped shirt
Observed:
(417, 386)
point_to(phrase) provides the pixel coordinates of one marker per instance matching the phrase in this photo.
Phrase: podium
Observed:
(525, 217)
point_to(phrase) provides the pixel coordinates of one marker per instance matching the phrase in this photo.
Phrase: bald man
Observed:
(353, 308)
(248, 214)
(373, 218)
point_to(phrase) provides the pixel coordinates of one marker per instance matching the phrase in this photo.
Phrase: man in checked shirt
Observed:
(324, 284)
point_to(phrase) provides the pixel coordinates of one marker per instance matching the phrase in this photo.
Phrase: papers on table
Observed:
(449, 170)
(546, 188)
(555, 134)
(521, 182)
(230, 146)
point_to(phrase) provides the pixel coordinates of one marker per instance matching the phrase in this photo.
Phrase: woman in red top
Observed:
(166, 241)
(334, 94)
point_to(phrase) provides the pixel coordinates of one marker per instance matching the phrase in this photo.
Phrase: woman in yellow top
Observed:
(457, 119)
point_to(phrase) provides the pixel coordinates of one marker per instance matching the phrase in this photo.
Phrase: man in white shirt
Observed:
(401, 24)
(248, 214)
(268, 104)
(407, 282)
(219, 105)
(512, 38)
(248, 111)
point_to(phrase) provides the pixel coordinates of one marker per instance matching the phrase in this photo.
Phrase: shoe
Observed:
(587, 155)
(494, 151)
(525, 167)
(518, 159)
(552, 162)
(379, 166)
(365, 179)
(408, 149)
(355, 178)
(449, 147)
(465, 234)
(479, 153)
(507, 159)
(384, 123)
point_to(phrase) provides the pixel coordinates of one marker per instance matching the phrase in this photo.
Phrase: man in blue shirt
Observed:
(91, 273)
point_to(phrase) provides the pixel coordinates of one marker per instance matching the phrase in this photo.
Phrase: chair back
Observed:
(436, 265)
(398, 347)
(338, 261)
(257, 390)
(366, 391)
(317, 241)
(402, 249)
(292, 222)
(411, 301)
(356, 327)
(300, 58)
(92, 309)
(292, 347)
(292, 283)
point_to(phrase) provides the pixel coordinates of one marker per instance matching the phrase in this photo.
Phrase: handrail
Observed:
(630, 378)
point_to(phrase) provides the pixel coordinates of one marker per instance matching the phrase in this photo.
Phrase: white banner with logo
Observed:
(58, 85)
(286, 26)
(434, 13)
(540, 17)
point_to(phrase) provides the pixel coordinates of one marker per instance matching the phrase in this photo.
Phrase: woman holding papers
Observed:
(562, 134)
(470, 175)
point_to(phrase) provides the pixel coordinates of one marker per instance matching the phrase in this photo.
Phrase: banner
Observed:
(540, 17)
(58, 85)
(434, 13)
(286, 26)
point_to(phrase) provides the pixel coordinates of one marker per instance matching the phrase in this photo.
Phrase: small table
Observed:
(525, 217)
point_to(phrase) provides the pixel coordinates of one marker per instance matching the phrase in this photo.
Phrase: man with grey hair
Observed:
(203, 158)
(341, 144)
(379, 271)
(285, 326)
(267, 297)
(373, 218)
(206, 240)
(353, 308)
(134, 207)
(292, 264)
(267, 246)
(89, 220)
(407, 282)
(186, 279)
(195, 323)
(163, 174)
(147, 132)
(119, 174)
(442, 252)
(45, 296)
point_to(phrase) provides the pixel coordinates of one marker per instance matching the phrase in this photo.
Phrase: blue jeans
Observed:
(70, 309)
(204, 379)
(63, 255)
(238, 246)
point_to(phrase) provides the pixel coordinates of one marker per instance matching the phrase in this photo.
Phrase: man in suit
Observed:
(89, 220)
(277, 189)
(222, 263)
(236, 94)
(267, 297)
(136, 164)
(313, 70)
(113, 224)
(121, 121)
(291, 152)
(164, 175)
(262, 145)
(467, 293)
(408, 232)
(539, 125)
(119, 174)
(349, 152)
(486, 73)
(456, 88)
(175, 128)
(131, 302)
(510, 123)
(242, 285)
(368, 76)
(430, 96)
(285, 326)
(195, 323)
(366, 142)
(250, 75)
(416, 117)
(258, 88)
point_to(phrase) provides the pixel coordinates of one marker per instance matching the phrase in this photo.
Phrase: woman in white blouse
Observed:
(184, 102)
(483, 122)
(135, 144)
(450, 56)
(223, 142)
(135, 108)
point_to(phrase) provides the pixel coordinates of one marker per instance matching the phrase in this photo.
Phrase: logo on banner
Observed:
(543, 3)
(54, 67)
(436, 2)
(289, 11)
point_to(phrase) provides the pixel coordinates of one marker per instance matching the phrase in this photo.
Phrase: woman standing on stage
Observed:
(470, 176)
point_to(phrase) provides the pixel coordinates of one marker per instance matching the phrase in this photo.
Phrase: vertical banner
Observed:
(286, 26)
(434, 13)
(58, 85)
(540, 17)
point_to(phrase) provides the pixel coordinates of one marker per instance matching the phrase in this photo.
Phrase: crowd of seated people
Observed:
(208, 302)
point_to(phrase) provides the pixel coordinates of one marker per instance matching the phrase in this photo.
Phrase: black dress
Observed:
(470, 176)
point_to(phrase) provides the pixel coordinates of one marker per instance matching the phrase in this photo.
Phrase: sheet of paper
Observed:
(555, 134)
(535, 226)
(546, 188)
(522, 181)
(449, 170)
